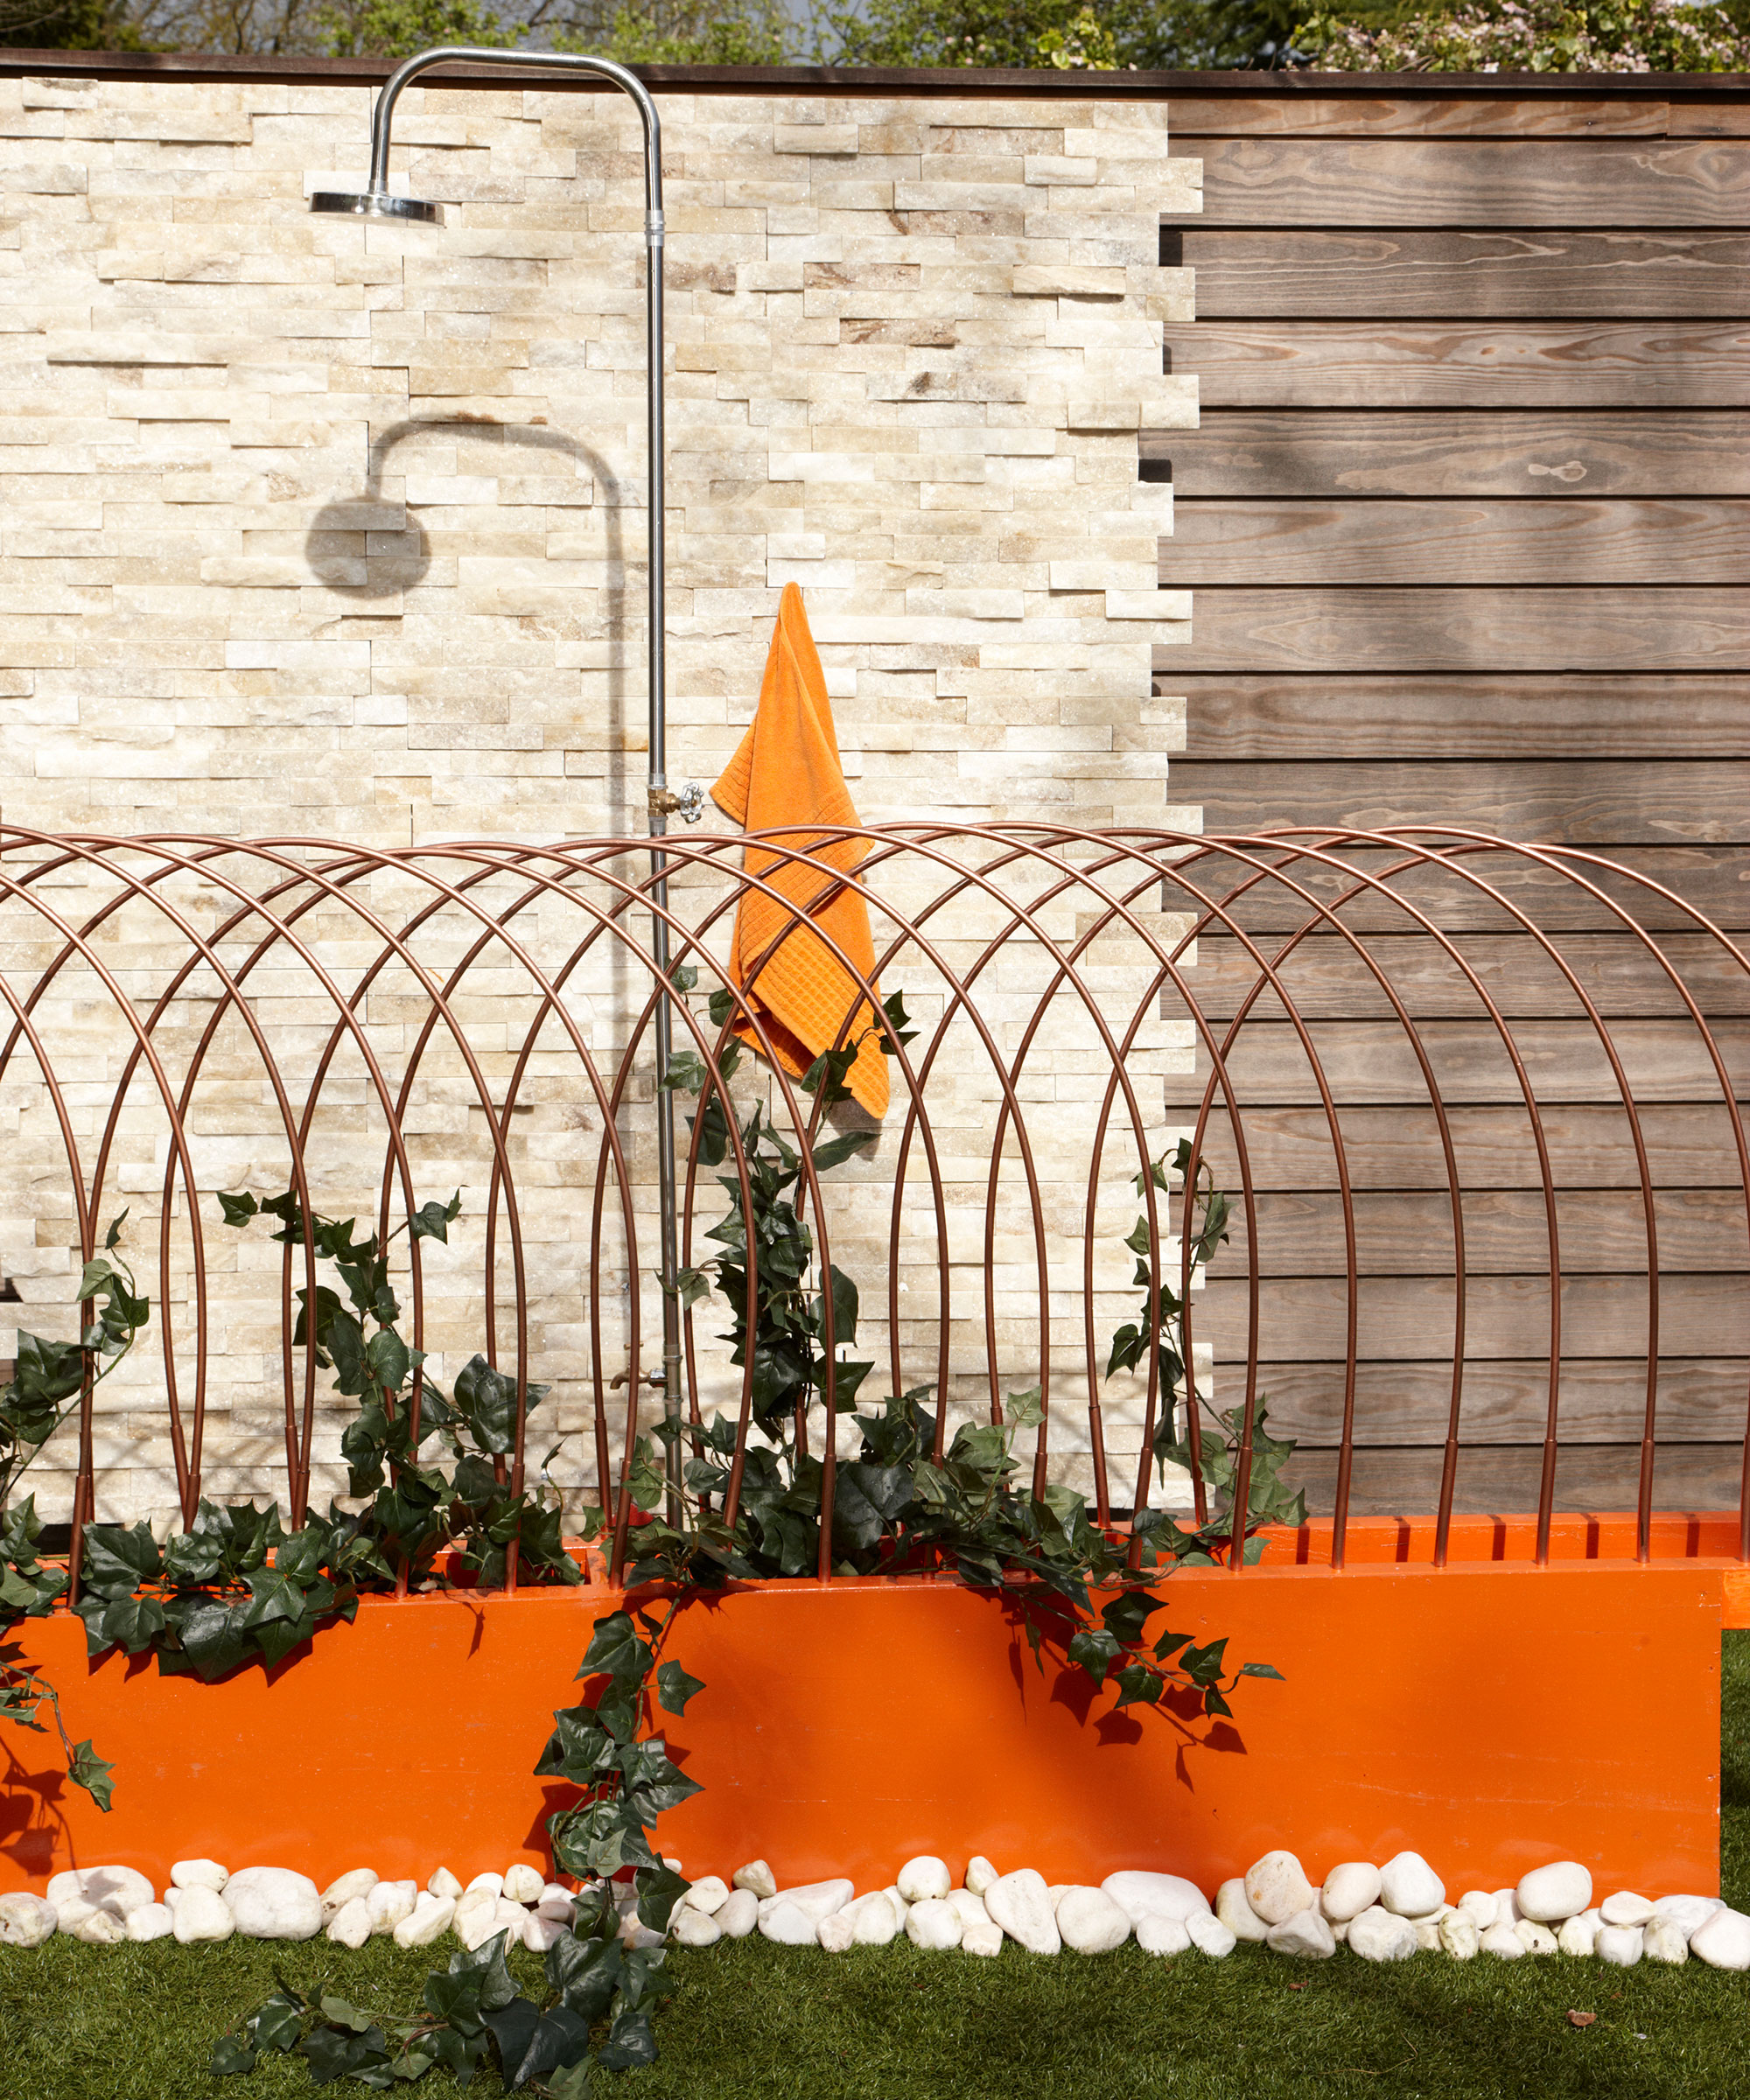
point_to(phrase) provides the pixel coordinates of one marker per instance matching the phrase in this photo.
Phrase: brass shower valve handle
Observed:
(688, 804)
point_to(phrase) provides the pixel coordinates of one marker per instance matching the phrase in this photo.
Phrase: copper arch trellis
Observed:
(356, 1022)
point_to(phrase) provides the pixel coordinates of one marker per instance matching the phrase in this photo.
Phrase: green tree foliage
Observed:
(681, 32)
(396, 29)
(66, 25)
(1118, 36)
(1531, 36)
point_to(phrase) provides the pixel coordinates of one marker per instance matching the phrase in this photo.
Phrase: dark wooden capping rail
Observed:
(953, 80)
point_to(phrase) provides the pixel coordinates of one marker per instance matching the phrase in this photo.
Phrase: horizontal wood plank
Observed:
(1369, 1061)
(1326, 978)
(1454, 365)
(1410, 1319)
(1399, 1148)
(1537, 715)
(1603, 803)
(1539, 181)
(1463, 275)
(1422, 116)
(1501, 1483)
(1332, 452)
(1465, 539)
(1587, 628)
(1711, 882)
(1408, 1232)
(1603, 1400)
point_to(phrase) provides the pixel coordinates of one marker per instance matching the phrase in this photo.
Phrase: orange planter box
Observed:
(1492, 1717)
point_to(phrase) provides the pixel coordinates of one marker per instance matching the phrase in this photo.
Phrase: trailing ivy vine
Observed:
(48, 1381)
(896, 1509)
(237, 1586)
(598, 1985)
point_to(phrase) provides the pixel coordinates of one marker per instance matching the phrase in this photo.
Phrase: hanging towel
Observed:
(785, 778)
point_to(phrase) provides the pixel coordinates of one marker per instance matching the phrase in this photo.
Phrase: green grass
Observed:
(756, 2022)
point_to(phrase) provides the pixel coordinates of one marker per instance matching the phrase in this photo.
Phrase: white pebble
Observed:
(925, 1876)
(982, 1937)
(444, 1883)
(1349, 1889)
(708, 1895)
(1237, 1915)
(1619, 1945)
(1550, 1894)
(696, 1928)
(815, 1899)
(339, 1892)
(150, 1922)
(1169, 1935)
(836, 1933)
(1689, 1913)
(116, 1889)
(1480, 1907)
(756, 1878)
(198, 1873)
(351, 1925)
(880, 1920)
(934, 1925)
(1459, 1935)
(1409, 1886)
(740, 1915)
(102, 1928)
(788, 1926)
(391, 1901)
(1379, 1935)
(1277, 1887)
(1625, 1908)
(1021, 1905)
(1534, 1937)
(1503, 1942)
(1506, 1906)
(1209, 1935)
(971, 1908)
(524, 1884)
(27, 1921)
(429, 1919)
(1579, 1936)
(1723, 1941)
(979, 1873)
(1090, 1922)
(1304, 1938)
(1140, 1894)
(488, 1884)
(273, 1903)
(1665, 1941)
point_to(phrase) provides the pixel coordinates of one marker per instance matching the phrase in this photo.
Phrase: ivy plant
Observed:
(592, 2012)
(48, 1380)
(896, 1509)
(237, 1587)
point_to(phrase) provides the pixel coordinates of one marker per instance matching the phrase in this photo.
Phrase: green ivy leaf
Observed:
(1095, 1650)
(674, 1687)
(659, 1891)
(231, 2058)
(84, 1768)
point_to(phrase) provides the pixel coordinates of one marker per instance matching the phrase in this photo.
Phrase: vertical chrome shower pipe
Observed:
(659, 800)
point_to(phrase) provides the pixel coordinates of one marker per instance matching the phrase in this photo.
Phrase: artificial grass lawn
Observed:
(756, 2022)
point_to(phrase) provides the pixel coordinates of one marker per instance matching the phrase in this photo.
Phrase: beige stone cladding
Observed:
(310, 527)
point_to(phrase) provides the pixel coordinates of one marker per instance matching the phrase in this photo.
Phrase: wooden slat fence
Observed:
(1467, 521)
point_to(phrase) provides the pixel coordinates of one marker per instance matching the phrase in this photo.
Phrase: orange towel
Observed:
(787, 774)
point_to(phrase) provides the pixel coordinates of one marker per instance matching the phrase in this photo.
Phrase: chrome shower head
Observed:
(377, 203)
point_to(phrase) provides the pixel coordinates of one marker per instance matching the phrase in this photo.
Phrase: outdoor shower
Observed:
(376, 202)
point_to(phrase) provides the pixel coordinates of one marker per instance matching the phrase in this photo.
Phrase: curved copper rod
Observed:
(1030, 874)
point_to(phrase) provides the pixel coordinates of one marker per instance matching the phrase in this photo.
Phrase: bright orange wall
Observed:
(1491, 1717)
